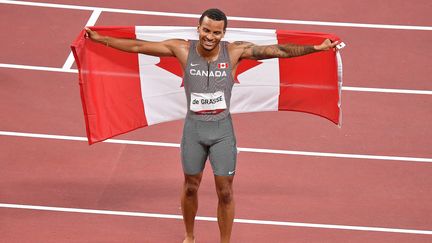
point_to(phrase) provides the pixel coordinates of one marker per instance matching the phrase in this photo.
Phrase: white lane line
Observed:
(69, 62)
(91, 22)
(213, 219)
(344, 88)
(381, 90)
(250, 150)
(37, 68)
(247, 19)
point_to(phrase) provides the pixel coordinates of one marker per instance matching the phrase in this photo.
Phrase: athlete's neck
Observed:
(211, 55)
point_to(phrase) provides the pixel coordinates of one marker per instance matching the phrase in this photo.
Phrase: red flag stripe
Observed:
(309, 83)
(110, 86)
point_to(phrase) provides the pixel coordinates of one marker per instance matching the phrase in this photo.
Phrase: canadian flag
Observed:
(222, 65)
(123, 91)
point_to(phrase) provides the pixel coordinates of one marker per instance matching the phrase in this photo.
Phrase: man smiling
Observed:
(209, 66)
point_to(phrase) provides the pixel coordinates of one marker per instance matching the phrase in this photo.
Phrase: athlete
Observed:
(209, 65)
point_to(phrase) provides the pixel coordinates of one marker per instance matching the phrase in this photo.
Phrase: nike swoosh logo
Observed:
(194, 64)
(231, 172)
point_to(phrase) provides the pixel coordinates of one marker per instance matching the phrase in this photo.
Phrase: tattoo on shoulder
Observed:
(238, 43)
(244, 46)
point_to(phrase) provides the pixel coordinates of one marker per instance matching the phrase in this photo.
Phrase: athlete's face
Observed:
(210, 33)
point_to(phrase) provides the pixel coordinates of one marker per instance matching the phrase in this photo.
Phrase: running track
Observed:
(300, 178)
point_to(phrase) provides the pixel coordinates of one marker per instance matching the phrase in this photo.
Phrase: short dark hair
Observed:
(214, 14)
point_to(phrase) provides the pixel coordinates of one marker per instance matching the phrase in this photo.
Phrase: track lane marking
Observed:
(91, 21)
(250, 150)
(246, 19)
(37, 68)
(344, 88)
(386, 90)
(213, 219)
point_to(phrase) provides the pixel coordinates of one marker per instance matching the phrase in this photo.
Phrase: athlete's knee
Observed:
(191, 185)
(225, 195)
(190, 190)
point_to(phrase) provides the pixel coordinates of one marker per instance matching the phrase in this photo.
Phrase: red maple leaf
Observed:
(172, 65)
(243, 66)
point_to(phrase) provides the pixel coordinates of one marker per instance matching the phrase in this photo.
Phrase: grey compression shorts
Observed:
(209, 139)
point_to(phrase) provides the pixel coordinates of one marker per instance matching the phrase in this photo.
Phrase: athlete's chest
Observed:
(204, 69)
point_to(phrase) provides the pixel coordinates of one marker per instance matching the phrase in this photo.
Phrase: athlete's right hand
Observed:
(93, 35)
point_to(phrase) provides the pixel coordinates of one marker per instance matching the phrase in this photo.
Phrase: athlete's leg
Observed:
(189, 203)
(225, 206)
(194, 156)
(223, 158)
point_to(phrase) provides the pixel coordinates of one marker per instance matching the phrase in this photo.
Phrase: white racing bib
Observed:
(208, 103)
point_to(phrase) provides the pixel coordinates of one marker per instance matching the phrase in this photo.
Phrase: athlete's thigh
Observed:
(223, 154)
(193, 153)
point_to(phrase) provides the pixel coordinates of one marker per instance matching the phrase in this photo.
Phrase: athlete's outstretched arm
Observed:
(252, 51)
(163, 48)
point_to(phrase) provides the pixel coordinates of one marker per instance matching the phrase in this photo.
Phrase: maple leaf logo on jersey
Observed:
(222, 65)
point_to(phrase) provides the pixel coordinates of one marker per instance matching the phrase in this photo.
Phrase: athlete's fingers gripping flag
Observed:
(122, 91)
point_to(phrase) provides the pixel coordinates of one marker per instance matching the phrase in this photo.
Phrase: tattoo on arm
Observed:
(263, 52)
(293, 50)
(287, 50)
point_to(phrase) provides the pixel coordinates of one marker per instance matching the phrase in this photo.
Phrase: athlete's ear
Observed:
(198, 28)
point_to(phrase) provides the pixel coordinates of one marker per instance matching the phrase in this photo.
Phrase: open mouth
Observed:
(208, 43)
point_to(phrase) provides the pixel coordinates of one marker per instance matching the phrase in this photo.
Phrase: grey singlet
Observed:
(208, 77)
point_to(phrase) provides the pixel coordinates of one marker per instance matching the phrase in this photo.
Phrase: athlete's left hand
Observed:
(327, 44)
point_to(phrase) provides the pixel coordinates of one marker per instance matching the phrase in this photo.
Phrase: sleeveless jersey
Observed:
(208, 84)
